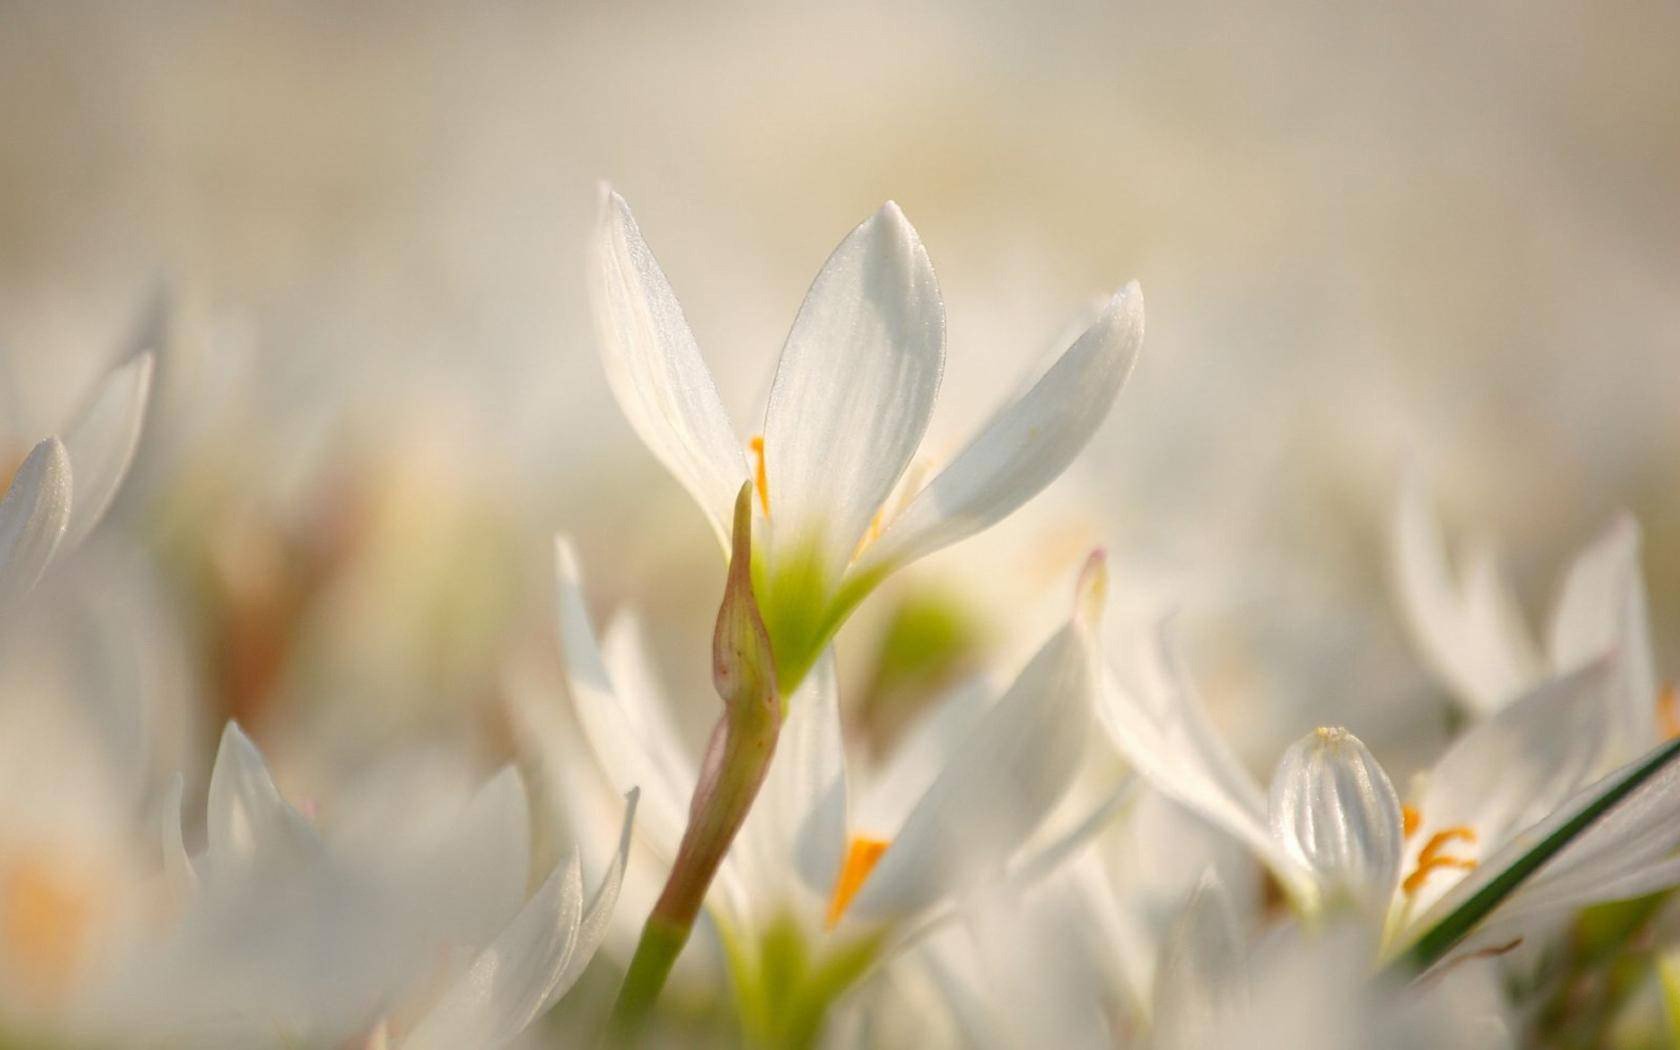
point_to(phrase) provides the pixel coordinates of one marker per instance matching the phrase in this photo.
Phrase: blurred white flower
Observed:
(810, 895)
(405, 918)
(849, 405)
(65, 484)
(1333, 830)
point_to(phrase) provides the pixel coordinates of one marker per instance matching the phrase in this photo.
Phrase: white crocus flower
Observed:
(1333, 829)
(65, 484)
(804, 871)
(407, 918)
(1470, 628)
(850, 402)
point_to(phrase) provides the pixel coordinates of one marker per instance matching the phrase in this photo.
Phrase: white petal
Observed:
(473, 879)
(102, 442)
(248, 824)
(1026, 446)
(654, 367)
(616, 729)
(1333, 808)
(1200, 973)
(793, 841)
(1518, 766)
(33, 517)
(1474, 642)
(854, 389)
(597, 916)
(1601, 609)
(177, 867)
(1157, 721)
(507, 986)
(635, 678)
(1015, 765)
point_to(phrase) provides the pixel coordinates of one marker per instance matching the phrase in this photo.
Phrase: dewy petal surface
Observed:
(655, 370)
(1333, 808)
(1027, 445)
(853, 391)
(1016, 763)
(33, 517)
(102, 442)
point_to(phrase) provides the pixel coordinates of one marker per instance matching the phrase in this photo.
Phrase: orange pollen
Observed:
(862, 853)
(45, 918)
(1410, 818)
(1431, 858)
(1668, 711)
(761, 477)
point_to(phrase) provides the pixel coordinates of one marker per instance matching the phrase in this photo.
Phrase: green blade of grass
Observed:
(1441, 938)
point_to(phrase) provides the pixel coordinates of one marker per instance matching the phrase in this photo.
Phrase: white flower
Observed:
(1471, 633)
(848, 407)
(65, 484)
(406, 916)
(1333, 829)
(805, 865)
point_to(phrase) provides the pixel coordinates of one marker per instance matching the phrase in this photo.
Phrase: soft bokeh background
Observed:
(1441, 235)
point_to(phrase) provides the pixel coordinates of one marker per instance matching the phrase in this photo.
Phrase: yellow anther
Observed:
(1668, 711)
(761, 477)
(1410, 818)
(1431, 858)
(862, 853)
(46, 916)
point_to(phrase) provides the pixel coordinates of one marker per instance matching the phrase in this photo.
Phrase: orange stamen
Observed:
(1410, 818)
(862, 853)
(1431, 858)
(761, 477)
(1668, 711)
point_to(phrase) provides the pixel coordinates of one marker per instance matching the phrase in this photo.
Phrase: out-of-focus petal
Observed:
(1199, 974)
(33, 517)
(1013, 768)
(1332, 807)
(655, 370)
(1601, 609)
(177, 867)
(507, 985)
(1026, 445)
(248, 824)
(102, 442)
(597, 915)
(615, 729)
(853, 391)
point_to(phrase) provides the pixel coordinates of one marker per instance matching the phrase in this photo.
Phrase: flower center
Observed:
(862, 853)
(1433, 857)
(761, 477)
(46, 914)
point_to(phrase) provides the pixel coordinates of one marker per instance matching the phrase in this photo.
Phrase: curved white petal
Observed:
(1332, 807)
(597, 915)
(1200, 974)
(473, 878)
(1014, 766)
(1472, 639)
(618, 730)
(102, 442)
(854, 389)
(1157, 721)
(1517, 767)
(791, 846)
(634, 673)
(33, 517)
(249, 826)
(178, 871)
(1601, 609)
(1026, 445)
(507, 985)
(654, 367)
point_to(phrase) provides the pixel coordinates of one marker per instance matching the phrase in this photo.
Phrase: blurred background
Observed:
(1436, 236)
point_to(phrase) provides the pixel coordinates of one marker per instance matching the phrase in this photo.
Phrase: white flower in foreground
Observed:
(848, 407)
(65, 484)
(810, 895)
(405, 921)
(1334, 832)
(1470, 629)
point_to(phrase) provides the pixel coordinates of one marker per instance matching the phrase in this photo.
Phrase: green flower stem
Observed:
(737, 760)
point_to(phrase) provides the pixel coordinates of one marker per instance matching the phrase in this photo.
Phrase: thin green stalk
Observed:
(737, 760)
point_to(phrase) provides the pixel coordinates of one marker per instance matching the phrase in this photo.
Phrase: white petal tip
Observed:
(1091, 592)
